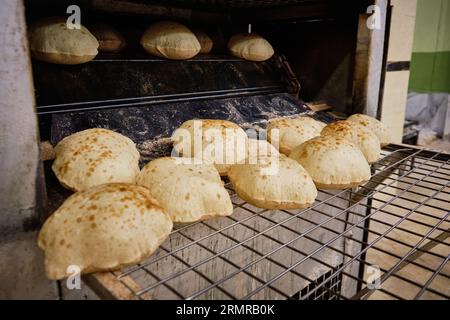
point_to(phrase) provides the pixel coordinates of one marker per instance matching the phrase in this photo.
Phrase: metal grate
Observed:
(394, 229)
(328, 290)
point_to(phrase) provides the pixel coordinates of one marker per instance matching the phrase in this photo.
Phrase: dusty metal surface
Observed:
(117, 77)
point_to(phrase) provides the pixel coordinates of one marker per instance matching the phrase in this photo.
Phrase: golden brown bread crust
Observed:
(103, 228)
(51, 41)
(270, 204)
(293, 131)
(206, 42)
(250, 47)
(332, 162)
(95, 156)
(110, 40)
(171, 40)
(61, 58)
(383, 133)
(365, 139)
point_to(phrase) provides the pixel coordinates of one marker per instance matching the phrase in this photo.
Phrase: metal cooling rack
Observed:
(394, 229)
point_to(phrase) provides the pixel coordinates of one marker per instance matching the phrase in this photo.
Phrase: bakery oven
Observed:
(360, 243)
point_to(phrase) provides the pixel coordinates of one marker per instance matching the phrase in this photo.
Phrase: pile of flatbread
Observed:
(119, 214)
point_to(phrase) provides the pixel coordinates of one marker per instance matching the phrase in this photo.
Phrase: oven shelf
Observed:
(397, 224)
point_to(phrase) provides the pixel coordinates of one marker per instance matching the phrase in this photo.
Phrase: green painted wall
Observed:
(430, 63)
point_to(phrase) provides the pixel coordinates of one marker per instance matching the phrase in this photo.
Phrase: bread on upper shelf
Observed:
(51, 40)
(250, 46)
(171, 40)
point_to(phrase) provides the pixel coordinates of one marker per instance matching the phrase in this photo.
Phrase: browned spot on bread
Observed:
(79, 219)
(187, 196)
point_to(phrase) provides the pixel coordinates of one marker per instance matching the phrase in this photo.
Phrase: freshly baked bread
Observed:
(95, 156)
(218, 142)
(52, 41)
(278, 183)
(250, 47)
(206, 43)
(259, 149)
(380, 129)
(187, 192)
(292, 132)
(365, 139)
(332, 162)
(104, 228)
(110, 40)
(170, 40)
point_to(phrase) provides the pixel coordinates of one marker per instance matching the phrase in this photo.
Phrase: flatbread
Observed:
(380, 129)
(292, 132)
(104, 228)
(277, 183)
(95, 156)
(52, 41)
(110, 40)
(206, 43)
(332, 162)
(259, 149)
(250, 46)
(219, 142)
(365, 139)
(188, 192)
(171, 40)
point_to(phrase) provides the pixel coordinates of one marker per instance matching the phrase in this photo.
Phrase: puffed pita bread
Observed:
(187, 192)
(110, 40)
(379, 128)
(206, 43)
(106, 227)
(170, 40)
(219, 142)
(250, 46)
(279, 183)
(259, 149)
(332, 162)
(52, 41)
(365, 139)
(292, 132)
(95, 156)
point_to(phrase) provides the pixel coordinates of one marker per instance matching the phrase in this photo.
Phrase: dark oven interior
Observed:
(146, 97)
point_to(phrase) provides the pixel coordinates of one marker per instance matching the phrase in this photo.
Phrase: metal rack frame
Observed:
(409, 188)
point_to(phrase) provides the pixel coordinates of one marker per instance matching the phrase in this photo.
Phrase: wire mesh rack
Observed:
(388, 239)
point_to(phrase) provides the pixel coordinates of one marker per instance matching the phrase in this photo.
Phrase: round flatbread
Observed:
(95, 156)
(365, 139)
(219, 142)
(292, 132)
(259, 149)
(380, 129)
(277, 183)
(104, 228)
(52, 41)
(188, 192)
(206, 43)
(110, 40)
(171, 40)
(332, 162)
(250, 47)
